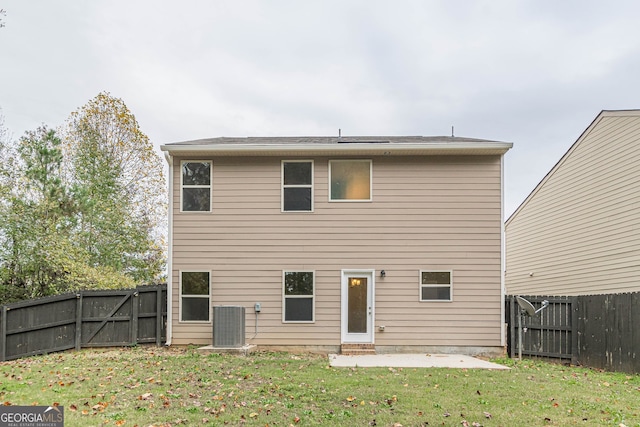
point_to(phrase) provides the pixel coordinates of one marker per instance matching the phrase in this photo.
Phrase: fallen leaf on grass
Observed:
(100, 406)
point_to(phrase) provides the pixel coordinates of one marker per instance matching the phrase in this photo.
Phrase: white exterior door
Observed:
(357, 307)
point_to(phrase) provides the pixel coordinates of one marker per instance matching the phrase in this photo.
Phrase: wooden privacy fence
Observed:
(609, 331)
(599, 331)
(548, 334)
(84, 319)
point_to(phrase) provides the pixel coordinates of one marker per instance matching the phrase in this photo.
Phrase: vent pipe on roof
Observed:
(339, 133)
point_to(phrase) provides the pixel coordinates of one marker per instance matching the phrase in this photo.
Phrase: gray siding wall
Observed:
(439, 213)
(579, 231)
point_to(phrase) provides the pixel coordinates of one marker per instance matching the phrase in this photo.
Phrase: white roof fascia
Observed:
(344, 148)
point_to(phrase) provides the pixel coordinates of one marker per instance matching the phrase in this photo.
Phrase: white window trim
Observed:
(282, 186)
(180, 295)
(435, 286)
(210, 186)
(312, 296)
(370, 199)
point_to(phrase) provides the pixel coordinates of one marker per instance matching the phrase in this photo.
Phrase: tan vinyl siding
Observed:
(427, 212)
(579, 231)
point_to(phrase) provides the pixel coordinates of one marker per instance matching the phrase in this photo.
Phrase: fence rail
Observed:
(599, 331)
(83, 319)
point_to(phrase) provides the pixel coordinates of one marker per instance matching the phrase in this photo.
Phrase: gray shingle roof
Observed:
(337, 146)
(269, 140)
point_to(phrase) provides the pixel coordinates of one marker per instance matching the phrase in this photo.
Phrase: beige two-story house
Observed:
(389, 242)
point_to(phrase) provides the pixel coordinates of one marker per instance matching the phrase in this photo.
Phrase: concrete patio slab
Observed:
(418, 360)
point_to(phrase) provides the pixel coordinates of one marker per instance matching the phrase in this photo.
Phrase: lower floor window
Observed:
(195, 299)
(435, 286)
(298, 296)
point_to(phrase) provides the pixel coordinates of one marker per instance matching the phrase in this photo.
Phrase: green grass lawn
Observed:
(146, 386)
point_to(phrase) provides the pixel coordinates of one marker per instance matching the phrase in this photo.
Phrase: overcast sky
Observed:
(535, 73)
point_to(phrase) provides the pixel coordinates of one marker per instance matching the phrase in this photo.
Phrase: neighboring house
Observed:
(578, 232)
(388, 242)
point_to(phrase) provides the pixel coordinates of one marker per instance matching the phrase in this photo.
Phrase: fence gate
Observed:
(547, 334)
(108, 319)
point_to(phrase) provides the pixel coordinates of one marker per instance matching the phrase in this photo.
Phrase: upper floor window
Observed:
(196, 186)
(435, 286)
(350, 180)
(297, 186)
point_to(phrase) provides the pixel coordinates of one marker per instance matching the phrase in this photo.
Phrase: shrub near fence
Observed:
(83, 319)
(599, 331)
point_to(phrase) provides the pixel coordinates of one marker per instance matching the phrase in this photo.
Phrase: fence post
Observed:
(574, 330)
(512, 326)
(78, 320)
(135, 310)
(159, 316)
(3, 333)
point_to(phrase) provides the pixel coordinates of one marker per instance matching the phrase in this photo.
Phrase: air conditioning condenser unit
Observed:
(228, 326)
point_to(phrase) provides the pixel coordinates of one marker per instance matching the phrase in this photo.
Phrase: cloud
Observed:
(530, 72)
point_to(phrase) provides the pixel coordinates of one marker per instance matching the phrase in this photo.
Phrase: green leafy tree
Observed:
(117, 180)
(84, 213)
(5, 192)
(35, 216)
